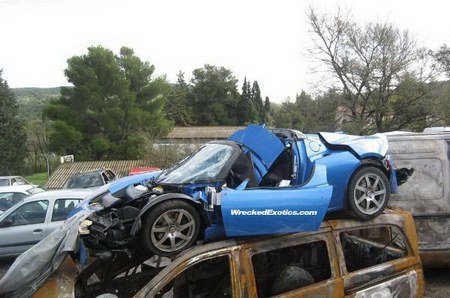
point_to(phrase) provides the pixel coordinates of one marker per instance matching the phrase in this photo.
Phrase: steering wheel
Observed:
(19, 219)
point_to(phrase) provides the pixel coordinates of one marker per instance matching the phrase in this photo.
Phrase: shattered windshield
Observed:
(203, 166)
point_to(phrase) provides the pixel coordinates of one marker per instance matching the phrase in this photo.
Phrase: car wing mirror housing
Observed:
(6, 223)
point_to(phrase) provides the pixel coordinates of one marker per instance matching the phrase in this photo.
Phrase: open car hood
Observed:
(263, 143)
(362, 146)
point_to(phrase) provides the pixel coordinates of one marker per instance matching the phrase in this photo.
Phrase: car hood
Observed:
(263, 143)
(362, 146)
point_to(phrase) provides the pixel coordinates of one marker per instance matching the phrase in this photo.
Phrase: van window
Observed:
(209, 278)
(364, 248)
(290, 268)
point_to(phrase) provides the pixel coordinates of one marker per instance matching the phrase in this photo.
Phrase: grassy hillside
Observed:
(32, 100)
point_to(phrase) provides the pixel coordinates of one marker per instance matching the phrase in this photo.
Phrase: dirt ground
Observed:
(437, 280)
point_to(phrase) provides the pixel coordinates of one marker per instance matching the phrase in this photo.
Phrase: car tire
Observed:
(290, 278)
(170, 227)
(368, 193)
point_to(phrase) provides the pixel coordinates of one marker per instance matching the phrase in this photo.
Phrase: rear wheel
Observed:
(170, 227)
(368, 193)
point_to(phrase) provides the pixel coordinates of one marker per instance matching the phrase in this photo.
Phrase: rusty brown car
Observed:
(345, 257)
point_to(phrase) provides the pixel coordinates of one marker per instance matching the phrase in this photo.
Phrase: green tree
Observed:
(267, 110)
(114, 100)
(12, 133)
(289, 116)
(257, 102)
(415, 106)
(319, 114)
(177, 107)
(214, 96)
(246, 109)
(443, 58)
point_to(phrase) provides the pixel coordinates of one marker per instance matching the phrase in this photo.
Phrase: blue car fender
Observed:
(166, 197)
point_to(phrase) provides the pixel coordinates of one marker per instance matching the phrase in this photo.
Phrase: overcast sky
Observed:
(263, 40)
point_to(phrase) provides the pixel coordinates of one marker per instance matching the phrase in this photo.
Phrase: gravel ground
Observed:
(437, 280)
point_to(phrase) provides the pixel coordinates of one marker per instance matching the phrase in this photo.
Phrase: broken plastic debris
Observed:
(83, 228)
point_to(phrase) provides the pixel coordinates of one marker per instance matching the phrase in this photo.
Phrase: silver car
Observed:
(31, 220)
(12, 180)
(11, 195)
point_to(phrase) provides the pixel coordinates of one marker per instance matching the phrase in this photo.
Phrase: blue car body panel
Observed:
(363, 146)
(263, 211)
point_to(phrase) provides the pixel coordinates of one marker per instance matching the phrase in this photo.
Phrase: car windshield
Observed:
(9, 199)
(84, 180)
(4, 182)
(203, 166)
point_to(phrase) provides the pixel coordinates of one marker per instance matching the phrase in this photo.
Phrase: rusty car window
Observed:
(368, 247)
(290, 268)
(208, 278)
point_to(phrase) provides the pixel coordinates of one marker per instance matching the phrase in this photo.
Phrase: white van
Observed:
(426, 194)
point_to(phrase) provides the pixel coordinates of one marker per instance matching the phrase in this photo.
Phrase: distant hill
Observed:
(32, 100)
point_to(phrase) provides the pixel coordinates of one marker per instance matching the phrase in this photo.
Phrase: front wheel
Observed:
(368, 193)
(170, 227)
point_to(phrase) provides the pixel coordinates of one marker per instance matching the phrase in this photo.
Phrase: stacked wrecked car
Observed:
(258, 182)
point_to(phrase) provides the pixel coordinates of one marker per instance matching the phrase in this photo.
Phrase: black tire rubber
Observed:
(352, 196)
(290, 278)
(155, 214)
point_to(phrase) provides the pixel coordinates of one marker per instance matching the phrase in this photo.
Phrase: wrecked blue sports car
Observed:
(258, 182)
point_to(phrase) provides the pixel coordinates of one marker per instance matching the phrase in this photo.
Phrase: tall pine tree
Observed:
(266, 110)
(12, 133)
(114, 101)
(257, 102)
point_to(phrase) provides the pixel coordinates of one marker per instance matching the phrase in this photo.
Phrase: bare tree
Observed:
(369, 61)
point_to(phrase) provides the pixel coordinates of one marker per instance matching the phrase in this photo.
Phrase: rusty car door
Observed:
(270, 266)
(378, 261)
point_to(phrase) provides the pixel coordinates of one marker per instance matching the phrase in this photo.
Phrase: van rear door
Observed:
(426, 194)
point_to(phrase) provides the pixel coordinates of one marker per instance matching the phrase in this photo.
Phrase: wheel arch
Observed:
(167, 197)
(373, 162)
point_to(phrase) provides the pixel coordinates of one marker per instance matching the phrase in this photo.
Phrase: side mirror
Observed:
(15, 183)
(6, 223)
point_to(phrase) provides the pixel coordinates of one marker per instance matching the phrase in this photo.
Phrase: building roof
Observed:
(66, 170)
(202, 132)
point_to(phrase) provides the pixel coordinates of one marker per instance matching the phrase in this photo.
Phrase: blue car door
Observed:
(263, 211)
